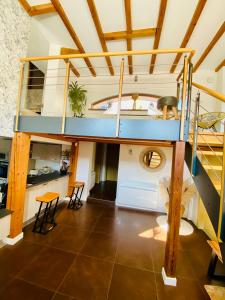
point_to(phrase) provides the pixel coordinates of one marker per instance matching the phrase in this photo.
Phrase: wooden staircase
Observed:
(210, 153)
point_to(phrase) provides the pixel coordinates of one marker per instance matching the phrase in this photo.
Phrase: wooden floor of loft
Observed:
(71, 138)
(136, 129)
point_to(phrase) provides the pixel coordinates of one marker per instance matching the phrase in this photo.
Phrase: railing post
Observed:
(119, 97)
(195, 136)
(18, 102)
(190, 71)
(178, 90)
(65, 95)
(184, 92)
(222, 192)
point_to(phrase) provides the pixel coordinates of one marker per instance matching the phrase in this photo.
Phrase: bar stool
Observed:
(48, 218)
(168, 103)
(75, 197)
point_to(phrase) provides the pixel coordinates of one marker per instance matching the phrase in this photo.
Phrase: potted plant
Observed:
(77, 98)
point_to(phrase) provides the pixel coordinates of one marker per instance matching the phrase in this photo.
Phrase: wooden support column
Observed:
(73, 164)
(174, 213)
(17, 180)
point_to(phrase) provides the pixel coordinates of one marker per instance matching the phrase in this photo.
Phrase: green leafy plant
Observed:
(77, 98)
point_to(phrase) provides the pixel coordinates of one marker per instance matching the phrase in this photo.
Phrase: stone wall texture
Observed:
(14, 37)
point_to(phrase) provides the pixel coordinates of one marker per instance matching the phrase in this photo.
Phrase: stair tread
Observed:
(211, 153)
(211, 167)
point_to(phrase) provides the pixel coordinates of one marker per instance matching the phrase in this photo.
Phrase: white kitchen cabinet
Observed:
(31, 206)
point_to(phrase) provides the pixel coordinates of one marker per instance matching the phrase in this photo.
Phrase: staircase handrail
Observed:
(209, 91)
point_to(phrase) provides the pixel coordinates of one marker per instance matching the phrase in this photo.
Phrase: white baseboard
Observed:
(168, 280)
(13, 241)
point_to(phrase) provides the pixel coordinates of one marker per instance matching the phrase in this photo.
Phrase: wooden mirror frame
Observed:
(161, 155)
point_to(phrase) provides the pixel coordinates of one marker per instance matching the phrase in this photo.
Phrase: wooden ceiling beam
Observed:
(191, 27)
(161, 16)
(100, 33)
(123, 35)
(222, 64)
(215, 39)
(127, 5)
(58, 7)
(66, 51)
(42, 9)
(26, 6)
(37, 10)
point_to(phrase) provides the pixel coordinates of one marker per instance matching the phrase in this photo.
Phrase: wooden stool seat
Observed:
(47, 197)
(77, 184)
(75, 197)
(40, 225)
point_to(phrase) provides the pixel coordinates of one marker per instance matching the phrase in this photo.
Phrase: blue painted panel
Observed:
(91, 127)
(129, 128)
(40, 124)
(150, 129)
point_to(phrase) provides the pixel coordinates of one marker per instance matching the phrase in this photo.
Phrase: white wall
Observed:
(53, 95)
(38, 45)
(131, 170)
(208, 79)
(84, 166)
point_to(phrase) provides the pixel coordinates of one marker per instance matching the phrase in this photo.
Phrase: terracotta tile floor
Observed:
(101, 253)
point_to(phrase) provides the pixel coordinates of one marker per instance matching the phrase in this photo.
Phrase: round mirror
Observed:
(152, 159)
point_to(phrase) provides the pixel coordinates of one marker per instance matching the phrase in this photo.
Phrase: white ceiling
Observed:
(144, 15)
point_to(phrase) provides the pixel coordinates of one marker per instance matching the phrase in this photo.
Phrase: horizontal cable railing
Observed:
(207, 138)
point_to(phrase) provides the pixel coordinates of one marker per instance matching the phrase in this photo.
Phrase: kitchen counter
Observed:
(4, 212)
(40, 179)
(39, 185)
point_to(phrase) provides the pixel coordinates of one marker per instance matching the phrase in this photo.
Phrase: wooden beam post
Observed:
(17, 180)
(174, 213)
(73, 164)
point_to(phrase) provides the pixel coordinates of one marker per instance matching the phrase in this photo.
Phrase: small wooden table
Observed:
(75, 197)
(41, 222)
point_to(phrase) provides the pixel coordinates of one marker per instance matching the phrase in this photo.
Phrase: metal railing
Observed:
(208, 143)
(61, 77)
